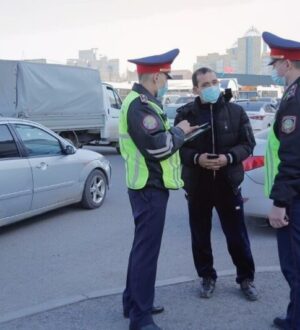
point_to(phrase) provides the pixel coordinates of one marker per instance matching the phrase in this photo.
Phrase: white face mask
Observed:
(278, 80)
(162, 90)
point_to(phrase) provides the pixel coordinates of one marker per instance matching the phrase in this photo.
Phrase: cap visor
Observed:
(169, 76)
(273, 60)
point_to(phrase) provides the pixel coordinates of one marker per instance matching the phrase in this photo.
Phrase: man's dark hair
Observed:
(203, 70)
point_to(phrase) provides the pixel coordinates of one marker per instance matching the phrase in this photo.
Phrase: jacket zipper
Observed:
(213, 133)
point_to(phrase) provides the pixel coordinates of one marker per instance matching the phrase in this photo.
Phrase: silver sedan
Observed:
(40, 171)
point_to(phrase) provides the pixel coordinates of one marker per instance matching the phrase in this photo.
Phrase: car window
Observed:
(270, 108)
(114, 101)
(8, 147)
(37, 141)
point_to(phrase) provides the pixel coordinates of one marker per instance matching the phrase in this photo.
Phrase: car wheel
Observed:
(95, 189)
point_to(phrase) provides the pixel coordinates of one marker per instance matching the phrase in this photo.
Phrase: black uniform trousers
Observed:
(149, 211)
(229, 205)
(288, 239)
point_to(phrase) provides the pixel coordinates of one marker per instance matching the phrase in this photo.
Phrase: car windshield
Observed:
(185, 99)
(267, 99)
(252, 106)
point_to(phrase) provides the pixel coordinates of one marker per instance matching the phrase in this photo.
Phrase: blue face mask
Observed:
(162, 91)
(210, 94)
(278, 80)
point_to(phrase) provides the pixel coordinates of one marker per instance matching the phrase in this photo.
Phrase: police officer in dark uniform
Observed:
(150, 150)
(212, 174)
(283, 170)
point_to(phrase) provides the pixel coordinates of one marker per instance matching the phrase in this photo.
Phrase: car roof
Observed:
(257, 103)
(6, 120)
(12, 119)
(20, 121)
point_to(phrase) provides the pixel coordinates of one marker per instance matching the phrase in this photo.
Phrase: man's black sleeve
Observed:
(146, 128)
(246, 141)
(189, 155)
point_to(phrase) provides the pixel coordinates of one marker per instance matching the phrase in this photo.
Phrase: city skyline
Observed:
(57, 30)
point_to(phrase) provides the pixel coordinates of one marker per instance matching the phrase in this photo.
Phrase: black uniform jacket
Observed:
(146, 128)
(230, 133)
(287, 130)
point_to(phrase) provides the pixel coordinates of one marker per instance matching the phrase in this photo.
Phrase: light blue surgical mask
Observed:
(162, 91)
(278, 80)
(210, 94)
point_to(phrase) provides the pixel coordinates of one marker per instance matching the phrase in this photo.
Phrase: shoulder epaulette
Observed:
(144, 99)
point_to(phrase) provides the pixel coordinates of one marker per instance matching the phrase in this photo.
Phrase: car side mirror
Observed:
(69, 150)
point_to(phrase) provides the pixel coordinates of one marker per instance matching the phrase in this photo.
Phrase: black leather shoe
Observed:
(151, 326)
(280, 323)
(155, 310)
(249, 290)
(207, 287)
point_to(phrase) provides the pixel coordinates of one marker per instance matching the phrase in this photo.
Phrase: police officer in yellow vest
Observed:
(283, 170)
(150, 150)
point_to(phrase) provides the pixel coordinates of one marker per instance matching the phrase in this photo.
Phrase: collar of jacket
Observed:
(206, 106)
(142, 90)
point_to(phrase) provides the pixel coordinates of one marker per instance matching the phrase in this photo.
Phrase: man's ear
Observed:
(195, 90)
(155, 77)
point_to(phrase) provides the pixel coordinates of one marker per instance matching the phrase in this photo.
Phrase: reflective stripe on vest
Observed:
(272, 161)
(137, 172)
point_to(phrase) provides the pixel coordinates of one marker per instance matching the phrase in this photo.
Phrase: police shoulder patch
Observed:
(150, 122)
(288, 124)
(144, 99)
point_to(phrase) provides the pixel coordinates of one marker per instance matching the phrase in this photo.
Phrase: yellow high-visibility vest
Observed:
(272, 161)
(137, 172)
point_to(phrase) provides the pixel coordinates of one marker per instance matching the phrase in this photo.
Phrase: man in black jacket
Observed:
(212, 174)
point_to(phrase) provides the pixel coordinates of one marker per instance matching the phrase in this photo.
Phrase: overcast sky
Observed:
(57, 29)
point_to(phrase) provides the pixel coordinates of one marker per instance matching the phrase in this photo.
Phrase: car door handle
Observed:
(42, 166)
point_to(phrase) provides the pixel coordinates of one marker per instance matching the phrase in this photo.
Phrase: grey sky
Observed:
(56, 29)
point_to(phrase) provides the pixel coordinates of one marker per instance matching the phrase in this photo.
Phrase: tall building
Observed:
(249, 55)
(249, 52)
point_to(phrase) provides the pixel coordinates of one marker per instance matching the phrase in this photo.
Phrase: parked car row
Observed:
(260, 113)
(40, 171)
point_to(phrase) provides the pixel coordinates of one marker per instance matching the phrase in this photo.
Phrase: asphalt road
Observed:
(71, 251)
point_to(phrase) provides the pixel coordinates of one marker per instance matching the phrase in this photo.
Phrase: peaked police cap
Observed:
(156, 63)
(281, 49)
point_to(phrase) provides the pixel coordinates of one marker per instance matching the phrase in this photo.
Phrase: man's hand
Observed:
(186, 127)
(212, 164)
(278, 217)
(222, 160)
